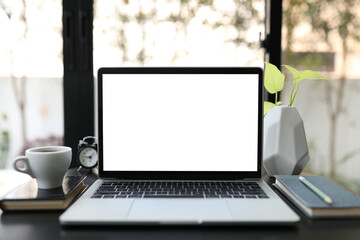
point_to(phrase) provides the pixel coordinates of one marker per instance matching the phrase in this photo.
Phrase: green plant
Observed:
(274, 82)
(4, 141)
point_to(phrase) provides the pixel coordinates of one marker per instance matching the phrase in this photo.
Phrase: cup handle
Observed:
(26, 169)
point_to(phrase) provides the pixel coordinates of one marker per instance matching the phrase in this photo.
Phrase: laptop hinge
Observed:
(250, 179)
(240, 179)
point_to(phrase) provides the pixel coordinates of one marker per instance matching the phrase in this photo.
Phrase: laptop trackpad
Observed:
(179, 210)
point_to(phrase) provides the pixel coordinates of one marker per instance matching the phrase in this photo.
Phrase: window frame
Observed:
(79, 117)
(79, 96)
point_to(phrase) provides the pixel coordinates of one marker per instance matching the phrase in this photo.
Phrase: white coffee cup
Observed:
(47, 164)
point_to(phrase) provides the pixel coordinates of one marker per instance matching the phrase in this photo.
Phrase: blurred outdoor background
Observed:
(319, 35)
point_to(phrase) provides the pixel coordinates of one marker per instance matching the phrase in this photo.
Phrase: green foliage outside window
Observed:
(4, 141)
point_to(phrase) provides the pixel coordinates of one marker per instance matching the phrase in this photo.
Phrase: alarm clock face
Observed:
(88, 157)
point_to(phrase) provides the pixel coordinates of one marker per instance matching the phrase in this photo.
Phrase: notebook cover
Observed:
(341, 197)
(28, 194)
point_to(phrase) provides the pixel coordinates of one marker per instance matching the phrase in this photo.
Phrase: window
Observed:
(324, 36)
(49, 110)
(31, 92)
(178, 33)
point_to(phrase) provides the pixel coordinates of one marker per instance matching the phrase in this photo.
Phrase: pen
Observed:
(317, 191)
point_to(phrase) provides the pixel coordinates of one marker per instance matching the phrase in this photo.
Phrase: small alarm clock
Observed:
(87, 152)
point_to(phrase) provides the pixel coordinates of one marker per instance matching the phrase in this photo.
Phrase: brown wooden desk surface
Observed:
(45, 225)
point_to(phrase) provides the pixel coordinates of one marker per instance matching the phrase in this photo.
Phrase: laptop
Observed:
(179, 146)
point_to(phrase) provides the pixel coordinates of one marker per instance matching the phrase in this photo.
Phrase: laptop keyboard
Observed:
(179, 189)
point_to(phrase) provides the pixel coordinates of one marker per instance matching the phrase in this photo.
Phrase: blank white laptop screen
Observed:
(180, 122)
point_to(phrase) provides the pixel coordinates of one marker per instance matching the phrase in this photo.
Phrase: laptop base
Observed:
(90, 211)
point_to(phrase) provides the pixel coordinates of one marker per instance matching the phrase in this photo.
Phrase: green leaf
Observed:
(274, 79)
(298, 76)
(278, 103)
(294, 72)
(310, 74)
(267, 106)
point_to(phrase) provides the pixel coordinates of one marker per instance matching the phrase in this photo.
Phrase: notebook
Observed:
(344, 203)
(179, 146)
(27, 197)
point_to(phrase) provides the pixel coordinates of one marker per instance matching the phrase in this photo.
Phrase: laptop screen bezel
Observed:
(180, 175)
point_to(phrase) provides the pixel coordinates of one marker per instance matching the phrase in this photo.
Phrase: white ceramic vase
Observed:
(285, 146)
